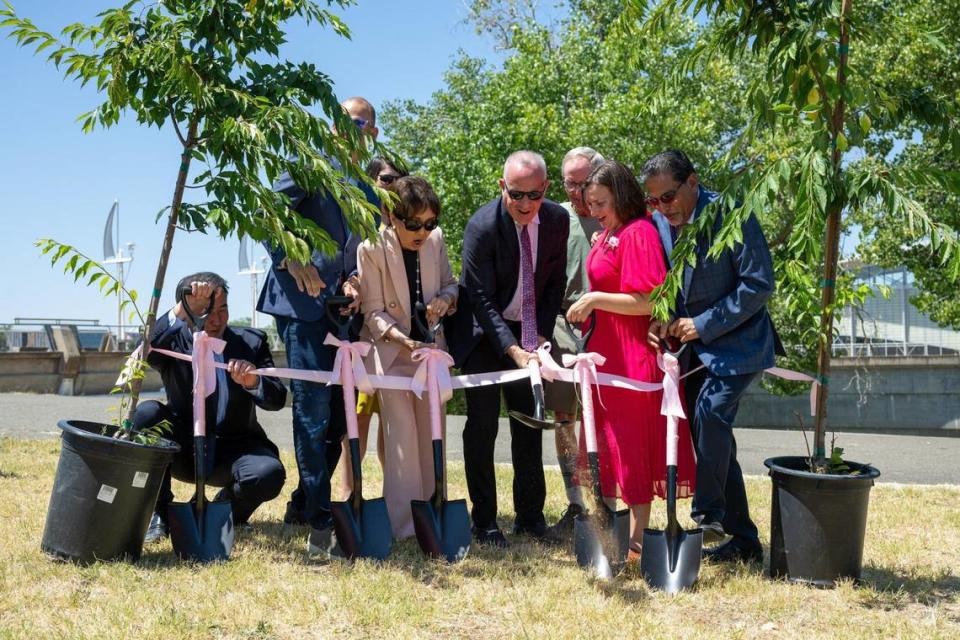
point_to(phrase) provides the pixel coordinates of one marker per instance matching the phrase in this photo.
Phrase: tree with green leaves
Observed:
(208, 72)
(815, 78)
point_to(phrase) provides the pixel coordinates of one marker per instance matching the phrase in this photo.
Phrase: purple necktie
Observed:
(528, 300)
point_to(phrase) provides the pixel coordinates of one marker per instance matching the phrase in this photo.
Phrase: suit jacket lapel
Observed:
(666, 240)
(397, 270)
(511, 243)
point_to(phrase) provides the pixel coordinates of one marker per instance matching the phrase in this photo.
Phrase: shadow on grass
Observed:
(891, 590)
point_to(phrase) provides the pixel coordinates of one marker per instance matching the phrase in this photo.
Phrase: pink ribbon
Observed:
(796, 376)
(204, 376)
(434, 373)
(585, 369)
(670, 404)
(350, 354)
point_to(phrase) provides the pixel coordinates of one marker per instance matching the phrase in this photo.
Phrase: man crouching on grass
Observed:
(240, 457)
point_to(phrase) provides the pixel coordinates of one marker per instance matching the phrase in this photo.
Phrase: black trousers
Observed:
(479, 438)
(720, 495)
(249, 472)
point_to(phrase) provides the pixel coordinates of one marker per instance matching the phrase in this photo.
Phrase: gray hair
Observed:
(589, 154)
(525, 159)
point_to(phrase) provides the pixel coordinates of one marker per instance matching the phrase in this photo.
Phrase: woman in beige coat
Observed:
(407, 264)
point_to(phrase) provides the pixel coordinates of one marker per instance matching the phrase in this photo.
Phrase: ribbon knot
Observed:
(549, 369)
(204, 376)
(670, 405)
(353, 353)
(442, 361)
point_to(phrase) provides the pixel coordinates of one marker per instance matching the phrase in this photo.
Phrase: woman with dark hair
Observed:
(408, 264)
(624, 266)
(384, 172)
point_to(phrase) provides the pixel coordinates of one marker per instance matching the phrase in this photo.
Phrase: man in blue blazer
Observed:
(295, 294)
(722, 316)
(498, 324)
(240, 457)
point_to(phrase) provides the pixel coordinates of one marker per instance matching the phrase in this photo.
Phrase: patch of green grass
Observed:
(270, 589)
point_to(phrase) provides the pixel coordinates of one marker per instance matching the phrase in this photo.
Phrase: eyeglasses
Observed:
(360, 122)
(387, 178)
(665, 198)
(570, 185)
(416, 225)
(520, 195)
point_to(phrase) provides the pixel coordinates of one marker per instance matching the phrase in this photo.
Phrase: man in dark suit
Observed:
(511, 288)
(240, 457)
(721, 314)
(295, 294)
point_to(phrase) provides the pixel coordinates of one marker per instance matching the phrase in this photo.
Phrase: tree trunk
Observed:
(136, 383)
(831, 253)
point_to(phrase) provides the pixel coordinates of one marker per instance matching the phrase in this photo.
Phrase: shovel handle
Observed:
(332, 306)
(197, 321)
(584, 337)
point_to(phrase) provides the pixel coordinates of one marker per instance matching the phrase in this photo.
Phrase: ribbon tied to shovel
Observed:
(204, 376)
(353, 352)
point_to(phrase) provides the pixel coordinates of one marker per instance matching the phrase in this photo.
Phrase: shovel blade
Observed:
(532, 422)
(370, 536)
(218, 532)
(670, 561)
(600, 548)
(445, 534)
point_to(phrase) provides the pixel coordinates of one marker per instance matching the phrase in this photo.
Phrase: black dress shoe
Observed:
(490, 536)
(735, 550)
(539, 532)
(157, 531)
(294, 515)
(564, 526)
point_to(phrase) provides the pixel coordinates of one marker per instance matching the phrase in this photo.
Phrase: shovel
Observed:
(671, 558)
(442, 526)
(362, 527)
(198, 321)
(199, 531)
(600, 537)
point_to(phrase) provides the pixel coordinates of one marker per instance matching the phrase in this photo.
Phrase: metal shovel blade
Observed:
(445, 534)
(215, 543)
(363, 535)
(535, 423)
(671, 558)
(601, 547)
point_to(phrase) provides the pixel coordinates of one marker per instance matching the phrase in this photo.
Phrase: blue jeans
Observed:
(315, 436)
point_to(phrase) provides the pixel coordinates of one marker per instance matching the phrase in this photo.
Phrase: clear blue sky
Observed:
(57, 182)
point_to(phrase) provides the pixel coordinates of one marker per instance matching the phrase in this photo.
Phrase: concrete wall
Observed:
(88, 373)
(918, 395)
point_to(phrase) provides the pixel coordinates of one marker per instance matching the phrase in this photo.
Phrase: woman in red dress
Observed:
(624, 266)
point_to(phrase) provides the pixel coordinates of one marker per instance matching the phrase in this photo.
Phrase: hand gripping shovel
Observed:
(600, 537)
(362, 527)
(537, 420)
(199, 531)
(671, 558)
(442, 526)
(198, 321)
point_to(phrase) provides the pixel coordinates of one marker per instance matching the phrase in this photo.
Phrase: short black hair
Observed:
(414, 195)
(378, 164)
(208, 277)
(628, 198)
(672, 161)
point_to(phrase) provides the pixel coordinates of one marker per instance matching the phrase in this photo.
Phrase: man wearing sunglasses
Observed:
(721, 314)
(295, 293)
(511, 288)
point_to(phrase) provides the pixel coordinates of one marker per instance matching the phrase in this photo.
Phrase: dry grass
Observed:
(269, 589)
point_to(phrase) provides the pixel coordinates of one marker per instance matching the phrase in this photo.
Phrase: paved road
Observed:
(906, 459)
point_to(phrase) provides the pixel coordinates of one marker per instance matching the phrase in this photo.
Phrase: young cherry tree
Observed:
(805, 146)
(208, 72)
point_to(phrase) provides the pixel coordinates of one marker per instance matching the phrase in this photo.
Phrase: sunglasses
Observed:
(387, 178)
(416, 225)
(360, 122)
(520, 195)
(665, 198)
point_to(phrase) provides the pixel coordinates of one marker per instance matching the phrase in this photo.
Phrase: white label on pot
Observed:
(107, 493)
(140, 479)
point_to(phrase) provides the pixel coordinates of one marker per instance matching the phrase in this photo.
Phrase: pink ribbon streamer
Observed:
(204, 376)
(670, 405)
(796, 376)
(349, 362)
(434, 373)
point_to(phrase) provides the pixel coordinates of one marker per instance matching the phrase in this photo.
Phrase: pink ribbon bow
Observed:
(670, 405)
(350, 354)
(434, 375)
(549, 369)
(204, 376)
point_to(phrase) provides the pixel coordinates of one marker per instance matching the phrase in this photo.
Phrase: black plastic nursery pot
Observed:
(818, 521)
(103, 494)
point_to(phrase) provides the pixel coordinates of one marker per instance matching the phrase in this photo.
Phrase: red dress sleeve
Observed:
(642, 267)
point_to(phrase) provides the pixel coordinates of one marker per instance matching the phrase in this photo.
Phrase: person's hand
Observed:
(307, 277)
(594, 237)
(655, 332)
(197, 301)
(684, 329)
(520, 357)
(438, 307)
(351, 288)
(580, 310)
(413, 345)
(239, 371)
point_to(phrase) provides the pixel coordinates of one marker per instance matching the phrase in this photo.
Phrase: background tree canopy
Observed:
(588, 79)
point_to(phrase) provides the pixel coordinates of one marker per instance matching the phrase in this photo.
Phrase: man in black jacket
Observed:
(240, 457)
(513, 281)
